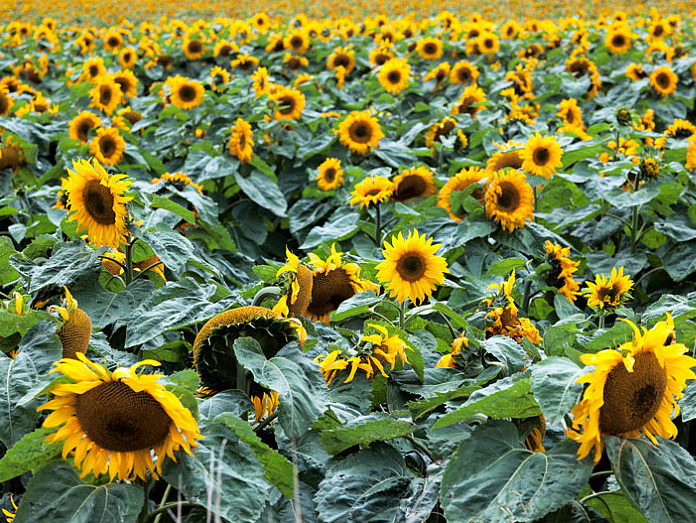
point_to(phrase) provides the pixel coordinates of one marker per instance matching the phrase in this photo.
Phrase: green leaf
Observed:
(506, 398)
(355, 305)
(105, 308)
(555, 388)
(341, 226)
(29, 453)
(621, 199)
(422, 407)
(264, 191)
(57, 494)
(505, 267)
(618, 507)
(575, 512)
(278, 469)
(172, 248)
(492, 478)
(301, 388)
(65, 265)
(364, 431)
(660, 480)
(162, 202)
(7, 272)
(366, 486)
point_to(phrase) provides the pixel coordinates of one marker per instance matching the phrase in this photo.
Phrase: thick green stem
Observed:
(173, 504)
(402, 315)
(162, 503)
(378, 226)
(128, 273)
(634, 228)
(601, 319)
(526, 296)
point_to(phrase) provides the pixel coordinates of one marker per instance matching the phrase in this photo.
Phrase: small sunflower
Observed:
(244, 62)
(80, 126)
(294, 62)
(449, 360)
(372, 191)
(440, 129)
(93, 69)
(330, 175)
(541, 156)
(179, 180)
(502, 319)
(562, 270)
(264, 405)
(76, 331)
(464, 72)
(633, 388)
(411, 270)
(116, 423)
(438, 73)
(570, 113)
(6, 101)
(470, 101)
(299, 281)
(464, 178)
(664, 81)
(262, 84)
(359, 131)
(509, 199)
(429, 48)
(106, 95)
(97, 202)
(241, 143)
(297, 41)
(341, 57)
(184, 93)
(193, 49)
(127, 57)
(487, 43)
(290, 103)
(611, 292)
(379, 56)
(128, 82)
(635, 72)
(508, 155)
(394, 75)
(107, 146)
(418, 182)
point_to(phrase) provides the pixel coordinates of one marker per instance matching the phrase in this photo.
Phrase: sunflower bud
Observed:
(623, 116)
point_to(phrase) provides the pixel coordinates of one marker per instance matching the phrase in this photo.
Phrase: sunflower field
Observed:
(358, 263)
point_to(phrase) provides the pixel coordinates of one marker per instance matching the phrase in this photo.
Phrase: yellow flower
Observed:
(341, 57)
(460, 181)
(411, 270)
(290, 103)
(359, 131)
(264, 405)
(394, 75)
(509, 199)
(296, 300)
(184, 93)
(541, 156)
(664, 81)
(470, 101)
(618, 39)
(76, 331)
(240, 143)
(107, 146)
(429, 48)
(418, 182)
(106, 95)
(464, 72)
(562, 270)
(608, 292)
(80, 126)
(372, 191)
(458, 344)
(330, 175)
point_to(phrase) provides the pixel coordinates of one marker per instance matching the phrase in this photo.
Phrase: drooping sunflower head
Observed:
(241, 143)
(121, 423)
(359, 131)
(298, 280)
(541, 156)
(470, 101)
(107, 146)
(394, 75)
(441, 129)
(634, 388)
(609, 292)
(290, 103)
(562, 270)
(373, 190)
(330, 174)
(451, 359)
(411, 269)
(184, 93)
(664, 81)
(76, 331)
(128, 82)
(6, 101)
(418, 182)
(213, 348)
(438, 73)
(80, 126)
(509, 199)
(96, 201)
(570, 113)
(649, 168)
(466, 177)
(179, 180)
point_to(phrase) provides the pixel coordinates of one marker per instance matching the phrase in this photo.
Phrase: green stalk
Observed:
(634, 228)
(402, 314)
(378, 226)
(129, 261)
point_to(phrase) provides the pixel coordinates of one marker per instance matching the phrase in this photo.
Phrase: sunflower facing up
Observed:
(394, 75)
(372, 190)
(290, 103)
(541, 155)
(464, 178)
(509, 199)
(106, 95)
(117, 422)
(96, 201)
(330, 174)
(618, 39)
(418, 182)
(634, 388)
(107, 146)
(562, 270)
(411, 270)
(184, 93)
(359, 131)
(608, 293)
(80, 126)
(664, 81)
(240, 143)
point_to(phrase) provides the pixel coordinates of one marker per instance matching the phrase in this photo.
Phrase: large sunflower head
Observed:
(411, 270)
(333, 282)
(413, 183)
(76, 331)
(394, 75)
(470, 101)
(93, 69)
(290, 103)
(608, 292)
(664, 81)
(96, 200)
(541, 156)
(373, 190)
(618, 39)
(429, 48)
(184, 93)
(80, 126)
(297, 41)
(487, 43)
(341, 57)
(107, 146)
(241, 143)
(121, 423)
(633, 388)
(509, 199)
(330, 174)
(106, 94)
(464, 72)
(359, 131)
(464, 178)
(193, 48)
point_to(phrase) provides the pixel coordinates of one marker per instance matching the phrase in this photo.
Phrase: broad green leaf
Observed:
(7, 272)
(264, 191)
(172, 248)
(66, 264)
(161, 202)
(106, 308)
(555, 388)
(504, 267)
(507, 351)
(492, 478)
(618, 507)
(422, 407)
(29, 453)
(355, 305)
(575, 512)
(339, 227)
(57, 494)
(364, 431)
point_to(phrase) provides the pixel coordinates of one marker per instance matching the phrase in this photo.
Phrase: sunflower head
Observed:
(330, 174)
(298, 281)
(609, 292)
(562, 270)
(394, 75)
(509, 199)
(664, 81)
(541, 156)
(359, 131)
(290, 103)
(107, 146)
(413, 183)
(184, 93)
(80, 126)
(76, 331)
(241, 143)
(470, 101)
(466, 177)
(373, 190)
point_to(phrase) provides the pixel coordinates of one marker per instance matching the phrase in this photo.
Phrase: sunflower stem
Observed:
(378, 226)
(265, 422)
(420, 447)
(264, 293)
(526, 296)
(297, 500)
(601, 319)
(402, 314)
(129, 261)
(164, 500)
(634, 228)
(173, 504)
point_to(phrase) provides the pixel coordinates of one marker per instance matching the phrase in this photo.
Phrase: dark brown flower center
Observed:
(509, 198)
(195, 46)
(464, 74)
(430, 48)
(659, 31)
(187, 93)
(394, 77)
(225, 50)
(360, 132)
(4, 104)
(294, 63)
(119, 419)
(329, 291)
(381, 58)
(107, 146)
(409, 187)
(287, 104)
(541, 156)
(330, 174)
(342, 60)
(93, 70)
(99, 202)
(105, 94)
(411, 266)
(296, 42)
(618, 41)
(83, 129)
(114, 41)
(662, 80)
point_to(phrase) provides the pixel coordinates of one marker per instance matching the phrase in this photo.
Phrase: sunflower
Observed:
(116, 422)
(193, 49)
(664, 81)
(75, 333)
(225, 49)
(464, 72)
(294, 62)
(541, 156)
(441, 129)
(469, 102)
(333, 282)
(570, 113)
(299, 281)
(509, 30)
(80, 126)
(244, 62)
(379, 56)
(261, 85)
(213, 351)
(372, 191)
(502, 319)
(127, 57)
(240, 143)
(413, 183)
(411, 270)
(359, 131)
(429, 48)
(93, 69)
(394, 74)
(509, 199)
(128, 82)
(6, 102)
(113, 41)
(633, 388)
(508, 155)
(608, 293)
(106, 95)
(296, 41)
(562, 269)
(107, 146)
(185, 94)
(264, 405)
(130, 115)
(464, 178)
(438, 73)
(330, 175)
(9, 516)
(290, 103)
(618, 39)
(179, 180)
(459, 343)
(343, 57)
(97, 202)
(487, 43)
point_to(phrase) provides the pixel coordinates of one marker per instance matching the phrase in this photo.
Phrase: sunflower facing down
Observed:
(290, 103)
(394, 74)
(634, 388)
(449, 360)
(611, 292)
(359, 131)
(509, 199)
(107, 146)
(240, 143)
(464, 178)
(562, 269)
(6, 101)
(330, 174)
(541, 156)
(372, 191)
(299, 281)
(80, 126)
(411, 270)
(116, 423)
(418, 182)
(97, 202)
(184, 93)
(265, 405)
